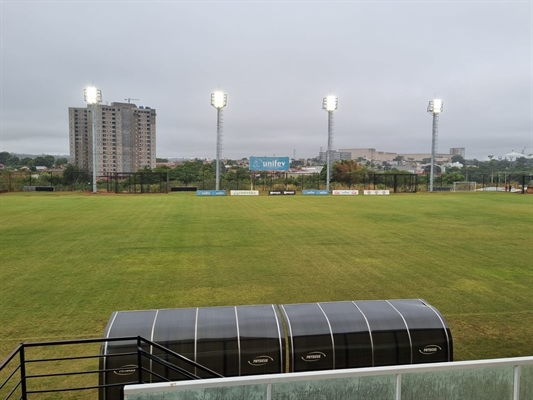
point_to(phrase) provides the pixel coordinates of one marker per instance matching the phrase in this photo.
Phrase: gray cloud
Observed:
(276, 61)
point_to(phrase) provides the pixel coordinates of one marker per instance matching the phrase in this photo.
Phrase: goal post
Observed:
(464, 186)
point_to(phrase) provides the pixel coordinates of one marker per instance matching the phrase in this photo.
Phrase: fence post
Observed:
(22, 373)
(398, 387)
(516, 382)
(139, 361)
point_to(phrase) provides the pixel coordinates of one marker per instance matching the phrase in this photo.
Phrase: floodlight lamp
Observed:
(219, 100)
(330, 103)
(435, 106)
(93, 95)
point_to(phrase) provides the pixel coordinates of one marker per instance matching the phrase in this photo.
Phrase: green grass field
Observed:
(69, 260)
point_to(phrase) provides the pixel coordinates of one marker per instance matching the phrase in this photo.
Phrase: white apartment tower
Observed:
(458, 151)
(126, 137)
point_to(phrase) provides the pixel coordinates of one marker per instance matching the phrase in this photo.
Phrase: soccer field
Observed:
(69, 260)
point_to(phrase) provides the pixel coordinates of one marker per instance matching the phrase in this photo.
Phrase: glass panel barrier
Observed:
(472, 384)
(244, 392)
(355, 388)
(526, 382)
(468, 380)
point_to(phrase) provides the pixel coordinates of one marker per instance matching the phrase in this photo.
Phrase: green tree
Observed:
(162, 168)
(43, 161)
(26, 161)
(13, 161)
(72, 175)
(452, 177)
(242, 173)
(161, 173)
(214, 168)
(189, 171)
(61, 161)
(458, 158)
(452, 169)
(347, 171)
(207, 173)
(4, 155)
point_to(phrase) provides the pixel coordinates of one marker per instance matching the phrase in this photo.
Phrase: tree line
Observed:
(14, 162)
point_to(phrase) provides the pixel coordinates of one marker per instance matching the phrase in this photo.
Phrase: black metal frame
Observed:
(137, 182)
(140, 370)
(397, 182)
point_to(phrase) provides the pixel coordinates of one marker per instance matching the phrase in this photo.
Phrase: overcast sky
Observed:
(276, 61)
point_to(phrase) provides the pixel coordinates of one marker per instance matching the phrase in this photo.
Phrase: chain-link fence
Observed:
(493, 181)
(16, 181)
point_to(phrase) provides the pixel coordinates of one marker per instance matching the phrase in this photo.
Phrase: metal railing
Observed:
(16, 381)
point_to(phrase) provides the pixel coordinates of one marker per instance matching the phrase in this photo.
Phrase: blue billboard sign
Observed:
(315, 192)
(210, 193)
(269, 163)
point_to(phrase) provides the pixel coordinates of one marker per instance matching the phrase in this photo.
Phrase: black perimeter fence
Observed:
(161, 182)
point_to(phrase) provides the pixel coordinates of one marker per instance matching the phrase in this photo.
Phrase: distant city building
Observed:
(126, 137)
(295, 173)
(380, 156)
(439, 157)
(369, 154)
(335, 155)
(458, 151)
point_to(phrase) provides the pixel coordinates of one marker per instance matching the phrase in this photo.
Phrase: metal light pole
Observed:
(329, 104)
(219, 101)
(434, 108)
(93, 97)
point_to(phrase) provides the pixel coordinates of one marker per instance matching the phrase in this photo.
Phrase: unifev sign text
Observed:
(269, 163)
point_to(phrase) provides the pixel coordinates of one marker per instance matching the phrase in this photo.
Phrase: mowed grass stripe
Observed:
(69, 260)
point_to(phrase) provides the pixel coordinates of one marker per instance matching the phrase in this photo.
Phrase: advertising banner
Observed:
(315, 192)
(376, 192)
(345, 192)
(244, 192)
(282, 192)
(210, 193)
(269, 163)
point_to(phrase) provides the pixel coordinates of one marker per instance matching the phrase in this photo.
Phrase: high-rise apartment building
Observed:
(125, 137)
(458, 151)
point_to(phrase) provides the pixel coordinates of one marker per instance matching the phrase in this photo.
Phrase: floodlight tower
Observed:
(434, 108)
(93, 97)
(219, 101)
(329, 104)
